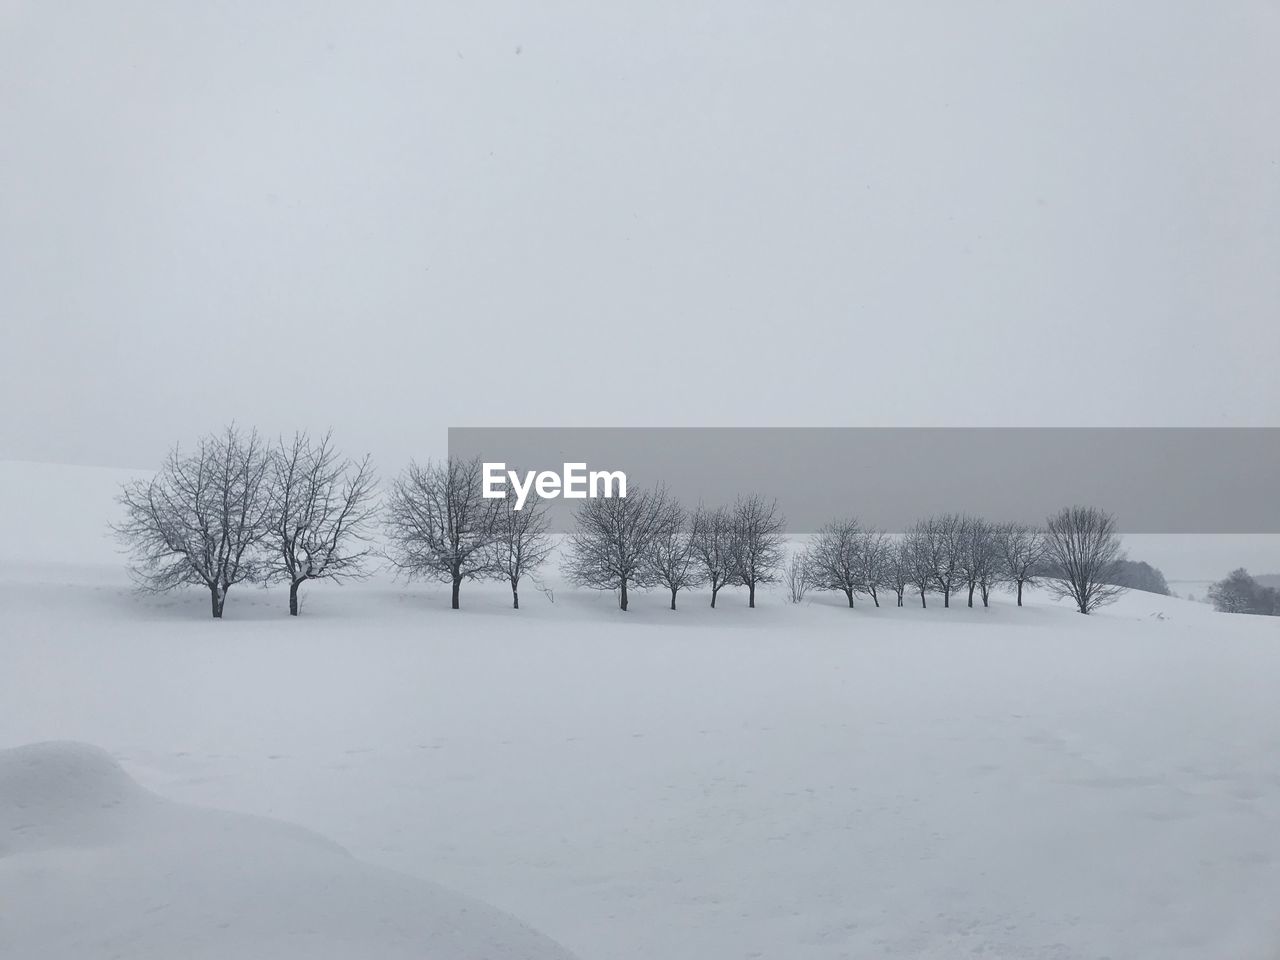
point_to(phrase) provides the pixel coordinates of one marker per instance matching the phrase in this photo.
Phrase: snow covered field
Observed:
(807, 783)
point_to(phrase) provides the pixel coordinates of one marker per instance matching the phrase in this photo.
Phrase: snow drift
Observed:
(93, 865)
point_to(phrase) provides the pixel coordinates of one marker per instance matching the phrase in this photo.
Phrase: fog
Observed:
(395, 220)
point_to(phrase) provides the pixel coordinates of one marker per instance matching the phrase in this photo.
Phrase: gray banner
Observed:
(1155, 480)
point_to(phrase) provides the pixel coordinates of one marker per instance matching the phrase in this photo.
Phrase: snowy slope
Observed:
(93, 865)
(804, 782)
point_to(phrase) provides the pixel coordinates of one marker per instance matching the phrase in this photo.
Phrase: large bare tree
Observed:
(713, 547)
(834, 558)
(521, 541)
(322, 505)
(611, 547)
(759, 545)
(1083, 546)
(672, 559)
(202, 519)
(1022, 554)
(439, 524)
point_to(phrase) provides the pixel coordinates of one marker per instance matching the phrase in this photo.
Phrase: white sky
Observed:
(391, 218)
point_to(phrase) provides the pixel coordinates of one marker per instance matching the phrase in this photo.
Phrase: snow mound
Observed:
(62, 778)
(61, 794)
(92, 865)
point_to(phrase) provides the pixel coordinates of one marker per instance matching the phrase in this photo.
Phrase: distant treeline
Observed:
(1139, 575)
(1240, 593)
(236, 509)
(1130, 574)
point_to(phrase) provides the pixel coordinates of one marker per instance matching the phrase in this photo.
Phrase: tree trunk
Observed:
(751, 594)
(875, 599)
(715, 588)
(515, 597)
(623, 602)
(971, 589)
(673, 597)
(849, 593)
(457, 588)
(900, 601)
(293, 597)
(986, 597)
(217, 602)
(946, 597)
(923, 604)
(1019, 593)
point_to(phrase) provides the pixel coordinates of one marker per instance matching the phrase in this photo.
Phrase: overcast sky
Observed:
(392, 218)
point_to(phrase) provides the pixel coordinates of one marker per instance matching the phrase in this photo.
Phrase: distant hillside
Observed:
(1269, 580)
(1140, 575)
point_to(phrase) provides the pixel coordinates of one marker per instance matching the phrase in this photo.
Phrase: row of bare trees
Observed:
(439, 526)
(239, 510)
(1076, 554)
(650, 540)
(236, 509)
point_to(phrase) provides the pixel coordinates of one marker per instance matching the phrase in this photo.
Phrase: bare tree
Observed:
(521, 542)
(918, 554)
(439, 524)
(1084, 547)
(612, 546)
(713, 548)
(874, 551)
(759, 545)
(896, 574)
(834, 558)
(943, 538)
(321, 508)
(672, 559)
(979, 557)
(1022, 554)
(797, 576)
(202, 519)
(992, 576)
